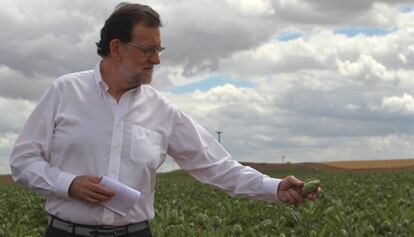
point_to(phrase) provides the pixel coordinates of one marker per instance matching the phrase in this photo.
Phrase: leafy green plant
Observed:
(351, 204)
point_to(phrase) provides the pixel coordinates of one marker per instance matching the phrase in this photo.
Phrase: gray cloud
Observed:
(350, 5)
(321, 96)
(47, 37)
(199, 33)
(52, 38)
(13, 114)
(338, 13)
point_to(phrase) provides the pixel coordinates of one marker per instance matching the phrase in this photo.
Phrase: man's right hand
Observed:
(87, 188)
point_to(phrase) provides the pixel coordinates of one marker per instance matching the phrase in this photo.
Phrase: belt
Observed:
(94, 231)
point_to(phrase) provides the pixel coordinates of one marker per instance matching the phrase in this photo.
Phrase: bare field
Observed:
(5, 179)
(378, 165)
(372, 164)
(362, 165)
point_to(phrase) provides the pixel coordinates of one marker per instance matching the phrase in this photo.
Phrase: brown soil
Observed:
(5, 179)
(360, 165)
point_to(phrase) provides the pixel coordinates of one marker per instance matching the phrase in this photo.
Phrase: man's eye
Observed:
(149, 50)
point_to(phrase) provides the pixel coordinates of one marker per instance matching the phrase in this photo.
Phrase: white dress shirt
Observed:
(78, 128)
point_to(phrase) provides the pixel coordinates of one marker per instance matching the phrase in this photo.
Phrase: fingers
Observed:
(295, 195)
(87, 188)
(289, 191)
(290, 182)
(95, 179)
(295, 181)
(97, 196)
(97, 188)
(90, 199)
(290, 197)
(314, 196)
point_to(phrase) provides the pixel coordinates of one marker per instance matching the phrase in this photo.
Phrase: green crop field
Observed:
(352, 204)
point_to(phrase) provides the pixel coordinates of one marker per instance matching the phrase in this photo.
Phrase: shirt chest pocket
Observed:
(145, 145)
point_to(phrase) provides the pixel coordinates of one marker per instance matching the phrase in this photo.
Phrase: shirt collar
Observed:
(102, 86)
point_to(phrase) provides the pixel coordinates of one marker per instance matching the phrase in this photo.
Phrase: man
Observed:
(110, 122)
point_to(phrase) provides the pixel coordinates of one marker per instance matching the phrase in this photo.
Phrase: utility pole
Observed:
(219, 135)
(283, 159)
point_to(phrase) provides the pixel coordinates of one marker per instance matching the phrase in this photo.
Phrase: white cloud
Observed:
(7, 140)
(403, 105)
(248, 7)
(222, 103)
(318, 93)
(14, 113)
(352, 107)
(367, 69)
(322, 96)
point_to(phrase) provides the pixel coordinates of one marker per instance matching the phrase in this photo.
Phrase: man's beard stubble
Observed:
(136, 79)
(142, 79)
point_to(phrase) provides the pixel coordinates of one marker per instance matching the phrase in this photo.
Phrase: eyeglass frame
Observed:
(152, 49)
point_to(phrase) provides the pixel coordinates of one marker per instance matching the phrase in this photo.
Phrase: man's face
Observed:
(136, 63)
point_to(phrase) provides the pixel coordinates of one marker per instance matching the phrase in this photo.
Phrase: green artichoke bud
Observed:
(310, 186)
(237, 230)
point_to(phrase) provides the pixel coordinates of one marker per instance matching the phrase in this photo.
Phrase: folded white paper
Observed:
(124, 199)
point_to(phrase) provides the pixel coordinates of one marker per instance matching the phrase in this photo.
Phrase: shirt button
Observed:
(116, 146)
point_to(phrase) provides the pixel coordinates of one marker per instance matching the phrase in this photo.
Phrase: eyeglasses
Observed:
(149, 51)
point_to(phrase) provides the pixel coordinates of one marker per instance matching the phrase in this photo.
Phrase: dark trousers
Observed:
(53, 232)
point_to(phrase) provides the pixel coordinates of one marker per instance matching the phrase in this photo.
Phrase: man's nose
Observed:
(155, 58)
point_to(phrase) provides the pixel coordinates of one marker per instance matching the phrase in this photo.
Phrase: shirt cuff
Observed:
(270, 186)
(62, 184)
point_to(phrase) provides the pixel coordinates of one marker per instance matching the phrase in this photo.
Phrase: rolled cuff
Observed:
(270, 186)
(61, 186)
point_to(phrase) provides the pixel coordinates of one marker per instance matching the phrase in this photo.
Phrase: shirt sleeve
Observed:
(30, 158)
(198, 153)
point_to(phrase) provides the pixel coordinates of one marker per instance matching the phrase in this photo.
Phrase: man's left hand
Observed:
(288, 191)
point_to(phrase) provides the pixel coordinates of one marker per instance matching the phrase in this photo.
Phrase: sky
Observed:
(307, 80)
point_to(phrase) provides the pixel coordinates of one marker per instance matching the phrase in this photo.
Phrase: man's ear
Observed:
(115, 47)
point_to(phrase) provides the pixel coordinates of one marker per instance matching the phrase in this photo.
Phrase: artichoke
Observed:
(310, 186)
